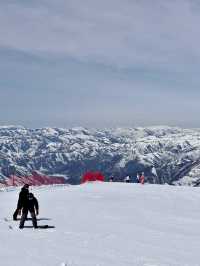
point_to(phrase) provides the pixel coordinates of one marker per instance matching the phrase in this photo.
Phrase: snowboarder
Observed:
(30, 204)
(22, 195)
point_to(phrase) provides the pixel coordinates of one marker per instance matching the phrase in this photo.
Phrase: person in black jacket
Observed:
(22, 196)
(30, 204)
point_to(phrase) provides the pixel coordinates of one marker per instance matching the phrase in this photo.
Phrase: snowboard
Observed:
(10, 226)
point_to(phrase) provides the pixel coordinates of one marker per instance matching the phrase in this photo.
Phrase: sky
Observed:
(92, 63)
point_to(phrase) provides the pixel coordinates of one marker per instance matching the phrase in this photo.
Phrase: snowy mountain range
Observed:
(165, 154)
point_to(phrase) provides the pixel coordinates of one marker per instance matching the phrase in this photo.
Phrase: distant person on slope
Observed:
(127, 179)
(22, 196)
(111, 179)
(142, 179)
(30, 204)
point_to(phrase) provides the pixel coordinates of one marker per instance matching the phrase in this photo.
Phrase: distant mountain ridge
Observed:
(165, 154)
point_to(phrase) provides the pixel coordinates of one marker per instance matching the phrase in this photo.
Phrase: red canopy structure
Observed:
(92, 176)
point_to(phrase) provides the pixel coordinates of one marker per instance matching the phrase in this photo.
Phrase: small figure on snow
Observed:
(30, 204)
(22, 196)
(127, 179)
(111, 179)
(142, 178)
(138, 178)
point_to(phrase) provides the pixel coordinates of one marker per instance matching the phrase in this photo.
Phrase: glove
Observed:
(19, 212)
(37, 212)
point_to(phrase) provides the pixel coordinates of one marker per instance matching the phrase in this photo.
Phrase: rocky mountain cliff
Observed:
(165, 154)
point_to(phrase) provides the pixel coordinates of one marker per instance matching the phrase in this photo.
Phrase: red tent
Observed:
(92, 176)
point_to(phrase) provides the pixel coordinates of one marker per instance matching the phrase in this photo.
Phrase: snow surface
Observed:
(105, 224)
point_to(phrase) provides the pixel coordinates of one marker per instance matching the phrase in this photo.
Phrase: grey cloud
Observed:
(99, 63)
(160, 33)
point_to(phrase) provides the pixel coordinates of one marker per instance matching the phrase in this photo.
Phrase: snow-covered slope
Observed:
(105, 224)
(165, 154)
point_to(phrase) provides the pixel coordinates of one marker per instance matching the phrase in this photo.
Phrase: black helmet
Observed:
(26, 186)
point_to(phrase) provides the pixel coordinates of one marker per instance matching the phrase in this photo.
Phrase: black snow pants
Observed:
(24, 216)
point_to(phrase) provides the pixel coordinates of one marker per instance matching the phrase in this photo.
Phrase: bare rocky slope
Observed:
(165, 154)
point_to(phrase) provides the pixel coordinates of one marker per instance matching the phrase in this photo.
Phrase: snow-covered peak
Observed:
(170, 152)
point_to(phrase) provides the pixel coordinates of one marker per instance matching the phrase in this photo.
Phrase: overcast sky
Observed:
(99, 63)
